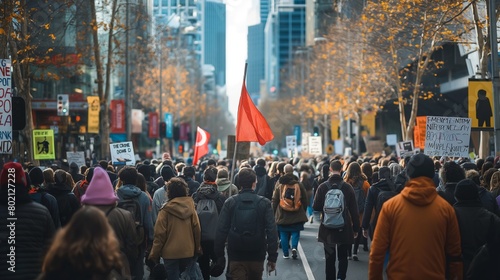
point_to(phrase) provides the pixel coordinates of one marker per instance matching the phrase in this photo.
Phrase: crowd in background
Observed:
(72, 220)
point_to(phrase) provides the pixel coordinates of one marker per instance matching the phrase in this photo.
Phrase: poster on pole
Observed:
(5, 107)
(76, 157)
(447, 136)
(122, 153)
(315, 146)
(43, 144)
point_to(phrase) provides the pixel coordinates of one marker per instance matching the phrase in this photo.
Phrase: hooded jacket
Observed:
(67, 202)
(420, 230)
(477, 225)
(208, 191)
(133, 192)
(224, 185)
(177, 231)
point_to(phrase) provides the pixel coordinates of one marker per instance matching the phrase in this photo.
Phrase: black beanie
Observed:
(36, 176)
(167, 173)
(466, 190)
(420, 165)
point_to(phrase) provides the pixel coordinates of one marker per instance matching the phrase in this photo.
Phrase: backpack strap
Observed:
(110, 210)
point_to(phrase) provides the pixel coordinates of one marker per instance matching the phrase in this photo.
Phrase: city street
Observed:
(310, 264)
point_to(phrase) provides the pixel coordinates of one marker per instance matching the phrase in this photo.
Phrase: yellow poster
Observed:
(480, 103)
(368, 121)
(334, 129)
(93, 117)
(43, 144)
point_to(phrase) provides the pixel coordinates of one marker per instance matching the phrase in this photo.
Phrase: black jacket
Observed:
(371, 202)
(268, 225)
(46, 199)
(449, 193)
(206, 191)
(34, 230)
(477, 226)
(488, 200)
(331, 236)
(66, 201)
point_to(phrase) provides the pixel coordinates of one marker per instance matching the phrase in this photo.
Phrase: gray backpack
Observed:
(209, 217)
(333, 209)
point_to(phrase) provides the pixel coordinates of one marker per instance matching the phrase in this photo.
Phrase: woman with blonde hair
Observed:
(495, 184)
(355, 177)
(86, 248)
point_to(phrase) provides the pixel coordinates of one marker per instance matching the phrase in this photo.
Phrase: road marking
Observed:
(305, 263)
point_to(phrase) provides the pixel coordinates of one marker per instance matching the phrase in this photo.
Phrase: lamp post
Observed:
(494, 69)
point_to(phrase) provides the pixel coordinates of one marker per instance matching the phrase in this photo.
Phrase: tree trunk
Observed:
(103, 115)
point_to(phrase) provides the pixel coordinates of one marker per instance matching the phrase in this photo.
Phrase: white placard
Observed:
(122, 153)
(405, 148)
(447, 136)
(5, 107)
(76, 157)
(339, 146)
(315, 147)
(305, 141)
(391, 139)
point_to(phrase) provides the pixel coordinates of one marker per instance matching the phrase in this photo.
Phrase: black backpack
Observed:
(382, 197)
(133, 206)
(246, 233)
(360, 195)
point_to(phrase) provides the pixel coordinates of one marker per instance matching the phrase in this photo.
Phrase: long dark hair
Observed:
(86, 248)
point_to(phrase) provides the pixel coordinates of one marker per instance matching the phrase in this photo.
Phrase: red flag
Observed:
(201, 146)
(251, 125)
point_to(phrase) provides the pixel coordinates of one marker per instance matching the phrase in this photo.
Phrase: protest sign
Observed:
(447, 136)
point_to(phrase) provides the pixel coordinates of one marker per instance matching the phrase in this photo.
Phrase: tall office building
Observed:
(215, 39)
(285, 32)
(256, 52)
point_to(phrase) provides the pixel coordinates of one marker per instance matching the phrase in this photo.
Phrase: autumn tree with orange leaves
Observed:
(408, 32)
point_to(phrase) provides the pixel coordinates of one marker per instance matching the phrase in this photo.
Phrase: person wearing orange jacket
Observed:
(419, 229)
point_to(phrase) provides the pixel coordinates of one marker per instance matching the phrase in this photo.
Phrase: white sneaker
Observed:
(294, 254)
(286, 256)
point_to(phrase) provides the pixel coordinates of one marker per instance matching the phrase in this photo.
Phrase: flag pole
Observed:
(236, 142)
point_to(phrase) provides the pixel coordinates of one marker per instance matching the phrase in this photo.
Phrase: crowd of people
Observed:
(419, 217)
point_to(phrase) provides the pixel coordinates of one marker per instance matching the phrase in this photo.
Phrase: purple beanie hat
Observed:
(100, 190)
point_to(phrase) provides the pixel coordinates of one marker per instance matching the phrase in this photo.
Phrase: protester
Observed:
(208, 191)
(101, 195)
(290, 221)
(33, 227)
(177, 220)
(246, 255)
(335, 241)
(85, 249)
(477, 225)
(160, 195)
(40, 195)
(224, 185)
(129, 192)
(419, 229)
(66, 201)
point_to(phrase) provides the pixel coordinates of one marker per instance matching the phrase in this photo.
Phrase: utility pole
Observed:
(494, 69)
(128, 103)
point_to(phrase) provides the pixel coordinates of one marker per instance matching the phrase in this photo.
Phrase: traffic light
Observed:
(163, 129)
(62, 105)
(316, 131)
(181, 148)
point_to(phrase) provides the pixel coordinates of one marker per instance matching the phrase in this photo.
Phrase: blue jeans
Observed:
(285, 240)
(174, 267)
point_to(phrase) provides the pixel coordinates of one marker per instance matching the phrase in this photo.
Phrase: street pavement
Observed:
(310, 265)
